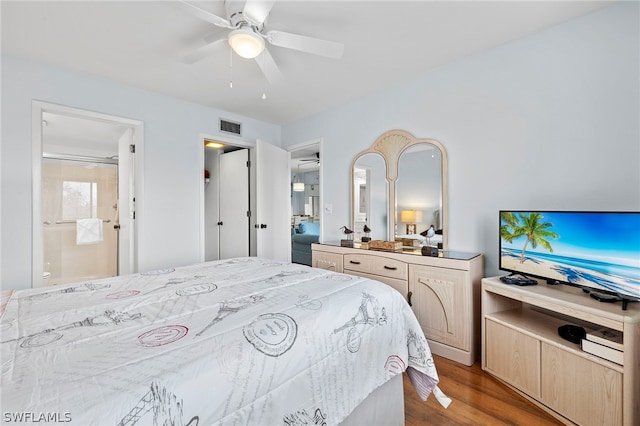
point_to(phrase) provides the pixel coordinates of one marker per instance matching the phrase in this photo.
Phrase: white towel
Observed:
(88, 231)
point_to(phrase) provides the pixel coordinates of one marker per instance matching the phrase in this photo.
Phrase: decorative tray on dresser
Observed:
(443, 291)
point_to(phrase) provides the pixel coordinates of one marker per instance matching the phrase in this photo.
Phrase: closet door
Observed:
(234, 204)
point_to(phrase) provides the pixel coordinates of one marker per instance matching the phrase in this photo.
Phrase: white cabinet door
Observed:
(234, 204)
(273, 202)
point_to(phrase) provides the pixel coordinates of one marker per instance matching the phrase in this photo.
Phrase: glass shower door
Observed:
(74, 190)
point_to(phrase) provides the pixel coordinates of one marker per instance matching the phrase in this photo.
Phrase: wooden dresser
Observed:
(444, 291)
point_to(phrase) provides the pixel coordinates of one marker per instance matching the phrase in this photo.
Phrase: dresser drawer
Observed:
(324, 260)
(375, 265)
(401, 285)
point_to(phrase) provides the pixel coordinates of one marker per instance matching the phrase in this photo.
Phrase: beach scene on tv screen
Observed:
(597, 250)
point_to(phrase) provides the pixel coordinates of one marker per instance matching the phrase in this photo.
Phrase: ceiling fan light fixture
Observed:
(246, 43)
(298, 186)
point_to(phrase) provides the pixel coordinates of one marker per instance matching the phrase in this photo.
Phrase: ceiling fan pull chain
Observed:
(230, 68)
(264, 93)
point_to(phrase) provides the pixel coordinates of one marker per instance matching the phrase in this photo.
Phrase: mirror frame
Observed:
(390, 145)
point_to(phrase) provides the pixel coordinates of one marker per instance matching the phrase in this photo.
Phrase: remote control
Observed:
(606, 298)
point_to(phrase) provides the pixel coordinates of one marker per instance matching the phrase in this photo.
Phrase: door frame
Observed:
(201, 139)
(37, 109)
(319, 142)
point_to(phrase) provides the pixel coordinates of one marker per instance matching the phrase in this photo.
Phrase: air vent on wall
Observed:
(232, 127)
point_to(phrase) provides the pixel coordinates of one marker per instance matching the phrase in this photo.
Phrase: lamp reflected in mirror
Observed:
(411, 218)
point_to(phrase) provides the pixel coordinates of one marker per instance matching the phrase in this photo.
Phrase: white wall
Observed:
(550, 121)
(169, 223)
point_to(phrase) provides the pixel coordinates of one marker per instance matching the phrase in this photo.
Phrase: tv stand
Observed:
(522, 348)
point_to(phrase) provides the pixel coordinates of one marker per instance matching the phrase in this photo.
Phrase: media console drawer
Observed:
(514, 357)
(566, 376)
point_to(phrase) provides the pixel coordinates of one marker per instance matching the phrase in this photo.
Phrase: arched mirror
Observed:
(371, 191)
(416, 189)
(419, 194)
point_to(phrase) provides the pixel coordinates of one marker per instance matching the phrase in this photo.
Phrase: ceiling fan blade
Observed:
(203, 52)
(256, 11)
(330, 49)
(206, 15)
(215, 35)
(269, 68)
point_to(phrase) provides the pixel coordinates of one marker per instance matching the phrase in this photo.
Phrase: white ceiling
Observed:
(386, 42)
(64, 130)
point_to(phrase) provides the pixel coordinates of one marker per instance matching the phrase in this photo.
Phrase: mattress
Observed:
(232, 342)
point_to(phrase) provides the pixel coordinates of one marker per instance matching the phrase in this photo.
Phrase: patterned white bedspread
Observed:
(232, 342)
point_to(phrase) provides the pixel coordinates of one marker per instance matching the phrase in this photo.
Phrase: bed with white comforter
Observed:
(232, 342)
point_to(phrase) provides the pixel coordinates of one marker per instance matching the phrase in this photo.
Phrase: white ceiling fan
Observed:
(313, 160)
(247, 21)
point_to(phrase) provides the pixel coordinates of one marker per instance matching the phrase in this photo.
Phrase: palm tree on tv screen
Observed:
(530, 225)
(509, 222)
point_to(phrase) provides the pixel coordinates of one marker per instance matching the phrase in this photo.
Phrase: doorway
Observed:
(306, 198)
(226, 201)
(85, 176)
(226, 195)
(268, 215)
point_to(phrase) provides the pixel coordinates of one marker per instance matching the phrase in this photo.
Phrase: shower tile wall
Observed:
(76, 190)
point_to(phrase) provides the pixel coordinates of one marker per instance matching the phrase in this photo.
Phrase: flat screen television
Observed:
(597, 251)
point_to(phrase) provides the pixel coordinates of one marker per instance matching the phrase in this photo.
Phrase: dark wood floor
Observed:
(477, 399)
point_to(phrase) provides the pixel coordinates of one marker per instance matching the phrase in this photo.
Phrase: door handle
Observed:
(220, 223)
(260, 226)
(263, 225)
(391, 268)
(354, 262)
(409, 298)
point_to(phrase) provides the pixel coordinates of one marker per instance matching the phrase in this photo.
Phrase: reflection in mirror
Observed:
(419, 194)
(370, 189)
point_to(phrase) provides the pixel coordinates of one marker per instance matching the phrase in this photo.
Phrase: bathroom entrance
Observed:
(85, 194)
(80, 218)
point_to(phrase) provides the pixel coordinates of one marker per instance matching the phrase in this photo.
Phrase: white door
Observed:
(273, 202)
(234, 204)
(125, 208)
